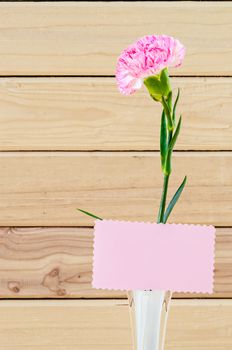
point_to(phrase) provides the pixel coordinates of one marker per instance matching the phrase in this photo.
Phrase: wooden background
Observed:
(68, 139)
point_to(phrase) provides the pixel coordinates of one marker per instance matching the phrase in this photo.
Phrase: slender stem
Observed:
(165, 188)
(163, 199)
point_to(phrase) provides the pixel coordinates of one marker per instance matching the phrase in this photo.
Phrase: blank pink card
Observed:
(138, 256)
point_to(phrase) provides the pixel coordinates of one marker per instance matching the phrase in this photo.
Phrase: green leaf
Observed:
(163, 139)
(174, 107)
(169, 100)
(168, 113)
(87, 213)
(174, 200)
(168, 163)
(168, 166)
(174, 138)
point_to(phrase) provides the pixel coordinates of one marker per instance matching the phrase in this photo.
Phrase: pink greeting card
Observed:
(143, 256)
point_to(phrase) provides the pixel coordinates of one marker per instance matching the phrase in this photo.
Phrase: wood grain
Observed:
(57, 262)
(45, 188)
(81, 38)
(95, 325)
(90, 114)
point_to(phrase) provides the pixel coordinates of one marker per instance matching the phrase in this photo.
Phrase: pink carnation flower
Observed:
(146, 57)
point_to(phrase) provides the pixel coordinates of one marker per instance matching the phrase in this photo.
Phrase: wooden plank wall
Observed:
(68, 139)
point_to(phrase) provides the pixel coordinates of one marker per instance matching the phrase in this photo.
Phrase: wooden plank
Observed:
(44, 189)
(57, 262)
(193, 325)
(47, 262)
(80, 38)
(102, 324)
(90, 114)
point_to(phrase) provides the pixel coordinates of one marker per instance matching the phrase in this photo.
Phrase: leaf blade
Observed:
(174, 107)
(89, 214)
(163, 139)
(174, 200)
(168, 113)
(171, 145)
(174, 138)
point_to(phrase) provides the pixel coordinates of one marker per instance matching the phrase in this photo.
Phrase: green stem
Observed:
(165, 182)
(163, 199)
(167, 143)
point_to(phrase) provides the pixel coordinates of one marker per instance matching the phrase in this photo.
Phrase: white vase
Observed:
(149, 313)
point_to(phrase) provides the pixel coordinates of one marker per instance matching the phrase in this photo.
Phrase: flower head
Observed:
(147, 57)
